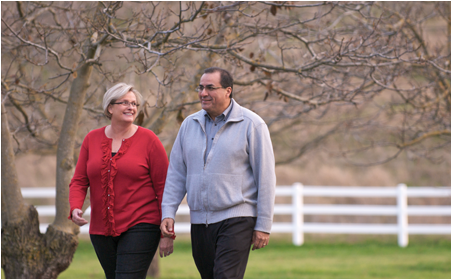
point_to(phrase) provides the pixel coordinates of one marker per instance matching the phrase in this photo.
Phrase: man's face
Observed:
(213, 101)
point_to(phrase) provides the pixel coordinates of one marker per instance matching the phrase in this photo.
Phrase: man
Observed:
(223, 160)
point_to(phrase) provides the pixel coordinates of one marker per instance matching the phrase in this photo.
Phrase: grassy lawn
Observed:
(330, 257)
(327, 257)
(370, 259)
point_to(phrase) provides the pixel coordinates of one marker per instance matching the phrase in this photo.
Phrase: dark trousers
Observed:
(221, 250)
(129, 255)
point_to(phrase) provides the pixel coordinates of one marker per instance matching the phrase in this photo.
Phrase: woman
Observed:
(125, 167)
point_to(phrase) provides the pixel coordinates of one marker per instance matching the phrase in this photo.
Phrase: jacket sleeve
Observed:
(175, 180)
(262, 162)
(158, 168)
(80, 182)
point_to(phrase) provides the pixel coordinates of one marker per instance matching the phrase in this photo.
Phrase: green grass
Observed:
(324, 257)
(369, 259)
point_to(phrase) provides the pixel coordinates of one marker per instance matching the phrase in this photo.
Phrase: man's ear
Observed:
(229, 90)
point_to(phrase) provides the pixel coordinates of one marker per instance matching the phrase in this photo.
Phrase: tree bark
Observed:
(66, 143)
(13, 204)
(26, 253)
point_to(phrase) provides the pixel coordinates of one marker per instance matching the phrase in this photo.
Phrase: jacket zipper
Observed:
(204, 158)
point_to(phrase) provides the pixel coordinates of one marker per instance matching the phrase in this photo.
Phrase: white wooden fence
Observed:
(297, 209)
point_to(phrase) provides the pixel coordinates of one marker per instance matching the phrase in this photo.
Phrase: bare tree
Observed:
(28, 253)
(45, 39)
(369, 73)
(365, 80)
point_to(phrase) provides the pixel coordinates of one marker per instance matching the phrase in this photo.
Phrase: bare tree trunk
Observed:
(13, 204)
(66, 143)
(26, 253)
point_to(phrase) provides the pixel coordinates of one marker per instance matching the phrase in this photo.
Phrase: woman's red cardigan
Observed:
(125, 189)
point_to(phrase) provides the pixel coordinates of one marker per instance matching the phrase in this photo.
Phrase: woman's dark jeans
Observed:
(129, 255)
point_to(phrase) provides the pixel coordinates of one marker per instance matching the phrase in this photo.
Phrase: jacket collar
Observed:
(236, 114)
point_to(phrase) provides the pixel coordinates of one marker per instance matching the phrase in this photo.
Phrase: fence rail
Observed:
(297, 209)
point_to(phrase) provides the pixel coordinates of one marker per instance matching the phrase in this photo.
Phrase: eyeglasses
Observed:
(208, 88)
(127, 103)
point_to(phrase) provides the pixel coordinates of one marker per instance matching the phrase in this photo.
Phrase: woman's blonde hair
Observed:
(116, 92)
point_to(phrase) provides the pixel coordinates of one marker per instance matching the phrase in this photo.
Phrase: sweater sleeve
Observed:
(262, 162)
(158, 168)
(80, 182)
(175, 181)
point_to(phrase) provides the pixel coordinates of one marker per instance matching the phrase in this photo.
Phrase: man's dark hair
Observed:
(226, 79)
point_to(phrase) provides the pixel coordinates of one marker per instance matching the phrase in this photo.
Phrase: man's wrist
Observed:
(173, 237)
(168, 218)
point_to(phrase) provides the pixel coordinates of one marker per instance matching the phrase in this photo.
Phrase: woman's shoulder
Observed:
(146, 133)
(96, 132)
(94, 136)
(147, 138)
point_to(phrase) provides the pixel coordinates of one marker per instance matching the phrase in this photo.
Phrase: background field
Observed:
(321, 257)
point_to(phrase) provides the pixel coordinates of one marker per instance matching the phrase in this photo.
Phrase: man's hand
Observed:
(166, 246)
(167, 227)
(260, 239)
(77, 217)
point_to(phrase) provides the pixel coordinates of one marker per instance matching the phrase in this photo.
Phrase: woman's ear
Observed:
(109, 109)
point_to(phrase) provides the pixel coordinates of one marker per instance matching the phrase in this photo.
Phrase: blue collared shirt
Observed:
(213, 126)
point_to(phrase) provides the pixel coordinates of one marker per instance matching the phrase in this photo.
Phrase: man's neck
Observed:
(224, 109)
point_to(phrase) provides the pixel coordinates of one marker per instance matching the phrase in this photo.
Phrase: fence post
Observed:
(402, 215)
(297, 214)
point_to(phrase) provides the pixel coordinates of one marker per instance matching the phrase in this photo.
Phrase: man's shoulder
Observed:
(251, 116)
(197, 115)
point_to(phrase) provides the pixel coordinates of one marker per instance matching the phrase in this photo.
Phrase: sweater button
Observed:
(108, 207)
(108, 170)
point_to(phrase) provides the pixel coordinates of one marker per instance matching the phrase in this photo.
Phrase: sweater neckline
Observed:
(125, 139)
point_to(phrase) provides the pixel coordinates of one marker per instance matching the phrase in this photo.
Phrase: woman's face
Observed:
(122, 112)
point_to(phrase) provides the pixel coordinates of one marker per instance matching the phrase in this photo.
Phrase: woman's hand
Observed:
(77, 217)
(166, 246)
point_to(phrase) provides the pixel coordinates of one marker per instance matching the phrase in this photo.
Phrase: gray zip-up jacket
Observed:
(238, 178)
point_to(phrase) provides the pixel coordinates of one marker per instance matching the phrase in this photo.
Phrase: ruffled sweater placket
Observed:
(109, 171)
